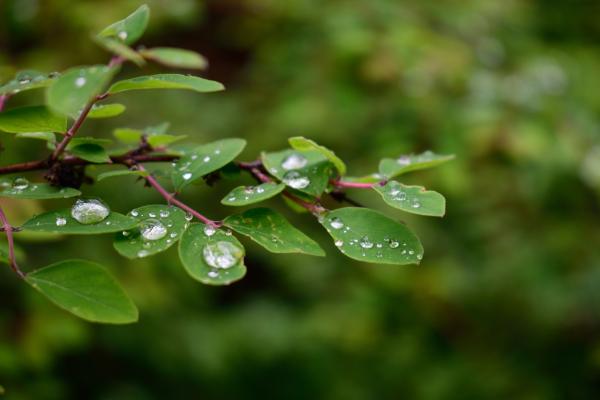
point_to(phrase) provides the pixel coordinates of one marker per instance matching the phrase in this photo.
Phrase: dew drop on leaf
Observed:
(20, 184)
(60, 221)
(89, 211)
(187, 176)
(209, 230)
(222, 254)
(296, 180)
(293, 161)
(336, 223)
(152, 229)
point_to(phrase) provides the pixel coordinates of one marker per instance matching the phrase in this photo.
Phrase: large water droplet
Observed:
(365, 243)
(222, 254)
(89, 211)
(295, 180)
(152, 229)
(336, 223)
(20, 184)
(293, 161)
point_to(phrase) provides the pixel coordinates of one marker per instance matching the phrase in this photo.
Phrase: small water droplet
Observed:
(209, 230)
(89, 211)
(152, 215)
(187, 176)
(336, 223)
(122, 35)
(20, 184)
(125, 233)
(339, 243)
(394, 244)
(60, 221)
(293, 161)
(365, 243)
(206, 159)
(134, 213)
(260, 189)
(188, 216)
(79, 82)
(164, 213)
(213, 274)
(173, 234)
(143, 253)
(152, 229)
(403, 160)
(222, 254)
(295, 180)
(419, 256)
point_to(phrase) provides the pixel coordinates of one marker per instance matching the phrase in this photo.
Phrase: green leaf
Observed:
(412, 199)
(76, 141)
(27, 80)
(117, 47)
(304, 144)
(70, 93)
(130, 29)
(61, 221)
(167, 81)
(120, 172)
(90, 152)
(85, 289)
(306, 171)
(106, 110)
(272, 231)
(31, 119)
(172, 57)
(201, 243)
(244, 195)
(155, 139)
(39, 191)
(390, 168)
(367, 235)
(48, 137)
(160, 227)
(204, 160)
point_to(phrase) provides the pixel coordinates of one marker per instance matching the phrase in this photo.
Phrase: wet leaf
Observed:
(167, 81)
(106, 110)
(412, 199)
(172, 57)
(390, 168)
(130, 29)
(61, 221)
(304, 144)
(39, 191)
(244, 195)
(31, 119)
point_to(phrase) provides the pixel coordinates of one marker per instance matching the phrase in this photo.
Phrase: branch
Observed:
(356, 185)
(172, 200)
(3, 99)
(8, 229)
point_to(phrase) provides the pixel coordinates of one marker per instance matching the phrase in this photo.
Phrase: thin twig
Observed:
(3, 99)
(8, 230)
(356, 185)
(171, 199)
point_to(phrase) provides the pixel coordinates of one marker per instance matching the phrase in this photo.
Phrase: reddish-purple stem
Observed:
(8, 229)
(356, 185)
(171, 199)
(3, 99)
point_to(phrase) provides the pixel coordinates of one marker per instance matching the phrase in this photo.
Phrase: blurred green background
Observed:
(506, 303)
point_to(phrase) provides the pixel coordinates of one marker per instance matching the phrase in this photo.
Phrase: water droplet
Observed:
(60, 221)
(336, 223)
(403, 160)
(231, 198)
(295, 180)
(213, 274)
(173, 234)
(206, 159)
(260, 189)
(125, 233)
(339, 243)
(379, 245)
(142, 253)
(152, 229)
(394, 244)
(416, 204)
(187, 176)
(411, 252)
(134, 213)
(249, 189)
(365, 243)
(89, 211)
(188, 216)
(419, 256)
(152, 215)
(164, 213)
(122, 35)
(23, 81)
(20, 184)
(222, 254)
(209, 230)
(293, 161)
(79, 82)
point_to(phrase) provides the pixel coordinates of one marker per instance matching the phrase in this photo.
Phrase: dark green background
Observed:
(506, 303)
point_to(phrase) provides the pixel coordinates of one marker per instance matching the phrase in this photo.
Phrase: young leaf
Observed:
(304, 144)
(306, 171)
(160, 227)
(90, 152)
(130, 29)
(48, 137)
(390, 168)
(117, 47)
(177, 58)
(272, 231)
(76, 141)
(27, 80)
(211, 256)
(21, 189)
(61, 221)
(367, 235)
(119, 172)
(204, 160)
(31, 119)
(70, 93)
(167, 81)
(244, 195)
(106, 110)
(412, 199)
(85, 289)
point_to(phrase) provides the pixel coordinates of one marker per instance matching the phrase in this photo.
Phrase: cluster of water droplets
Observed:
(184, 168)
(89, 211)
(153, 228)
(294, 178)
(419, 158)
(398, 194)
(247, 193)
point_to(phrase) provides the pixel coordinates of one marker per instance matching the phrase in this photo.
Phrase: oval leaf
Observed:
(120, 172)
(163, 223)
(192, 248)
(62, 222)
(85, 289)
(130, 29)
(204, 160)
(70, 93)
(412, 199)
(117, 47)
(106, 110)
(39, 191)
(367, 235)
(310, 173)
(31, 119)
(304, 144)
(389, 167)
(90, 152)
(272, 231)
(167, 81)
(244, 195)
(172, 57)
(27, 80)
